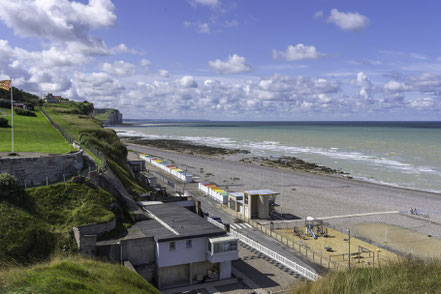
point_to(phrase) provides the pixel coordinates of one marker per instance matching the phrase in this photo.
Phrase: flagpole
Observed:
(12, 117)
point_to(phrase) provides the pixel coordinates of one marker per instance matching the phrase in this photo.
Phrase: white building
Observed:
(188, 249)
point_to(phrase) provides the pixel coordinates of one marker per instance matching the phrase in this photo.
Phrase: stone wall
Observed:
(36, 170)
(86, 235)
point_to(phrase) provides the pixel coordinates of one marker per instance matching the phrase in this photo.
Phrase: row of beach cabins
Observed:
(249, 204)
(168, 167)
(213, 191)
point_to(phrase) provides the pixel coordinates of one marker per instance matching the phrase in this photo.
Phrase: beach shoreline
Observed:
(234, 154)
(319, 195)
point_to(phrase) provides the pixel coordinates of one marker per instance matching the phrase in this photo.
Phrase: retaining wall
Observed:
(36, 170)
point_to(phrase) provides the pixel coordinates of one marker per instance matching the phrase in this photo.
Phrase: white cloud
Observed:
(234, 64)
(119, 68)
(348, 21)
(97, 87)
(367, 87)
(59, 20)
(297, 52)
(164, 73)
(209, 3)
(188, 82)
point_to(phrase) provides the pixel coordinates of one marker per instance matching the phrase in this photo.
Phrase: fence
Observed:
(71, 139)
(321, 257)
(216, 223)
(277, 257)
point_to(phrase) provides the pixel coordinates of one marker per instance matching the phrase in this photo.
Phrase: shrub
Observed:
(3, 122)
(5, 103)
(8, 184)
(24, 112)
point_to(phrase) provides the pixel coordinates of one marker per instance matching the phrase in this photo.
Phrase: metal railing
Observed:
(277, 257)
(216, 223)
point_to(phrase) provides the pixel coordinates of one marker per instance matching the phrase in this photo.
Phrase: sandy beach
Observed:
(308, 194)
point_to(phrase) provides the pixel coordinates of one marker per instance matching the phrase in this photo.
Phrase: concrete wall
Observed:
(263, 207)
(225, 270)
(181, 255)
(34, 170)
(139, 251)
(174, 276)
(86, 235)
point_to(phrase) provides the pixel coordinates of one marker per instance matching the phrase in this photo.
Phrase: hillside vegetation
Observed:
(102, 114)
(32, 134)
(406, 276)
(35, 223)
(89, 132)
(73, 275)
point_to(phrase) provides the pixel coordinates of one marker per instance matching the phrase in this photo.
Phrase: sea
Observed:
(402, 154)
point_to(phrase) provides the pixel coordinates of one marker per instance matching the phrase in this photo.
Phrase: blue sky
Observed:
(230, 60)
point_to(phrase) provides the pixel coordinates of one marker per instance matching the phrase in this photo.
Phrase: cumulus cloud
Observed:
(97, 86)
(119, 68)
(57, 20)
(234, 64)
(367, 87)
(348, 21)
(297, 52)
(188, 82)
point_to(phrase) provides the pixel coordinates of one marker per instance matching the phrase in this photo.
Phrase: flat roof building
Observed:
(253, 203)
(186, 248)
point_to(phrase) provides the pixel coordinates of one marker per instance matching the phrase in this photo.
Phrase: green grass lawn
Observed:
(32, 134)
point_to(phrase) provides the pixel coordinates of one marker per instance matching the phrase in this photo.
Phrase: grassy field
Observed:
(32, 134)
(36, 222)
(405, 276)
(73, 275)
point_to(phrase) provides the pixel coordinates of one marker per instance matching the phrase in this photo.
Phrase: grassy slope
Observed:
(406, 276)
(33, 134)
(105, 142)
(103, 114)
(73, 275)
(39, 223)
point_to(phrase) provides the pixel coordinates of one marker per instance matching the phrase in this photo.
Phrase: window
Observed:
(172, 246)
(246, 199)
(188, 243)
(220, 247)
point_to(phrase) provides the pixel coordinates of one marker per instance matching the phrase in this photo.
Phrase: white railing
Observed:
(277, 257)
(216, 223)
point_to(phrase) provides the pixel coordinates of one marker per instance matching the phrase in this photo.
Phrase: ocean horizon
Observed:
(405, 154)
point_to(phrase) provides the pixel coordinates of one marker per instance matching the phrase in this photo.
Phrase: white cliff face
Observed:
(115, 118)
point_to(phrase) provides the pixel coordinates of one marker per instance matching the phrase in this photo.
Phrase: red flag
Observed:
(5, 84)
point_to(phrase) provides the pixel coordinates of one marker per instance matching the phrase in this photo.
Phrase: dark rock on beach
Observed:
(183, 146)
